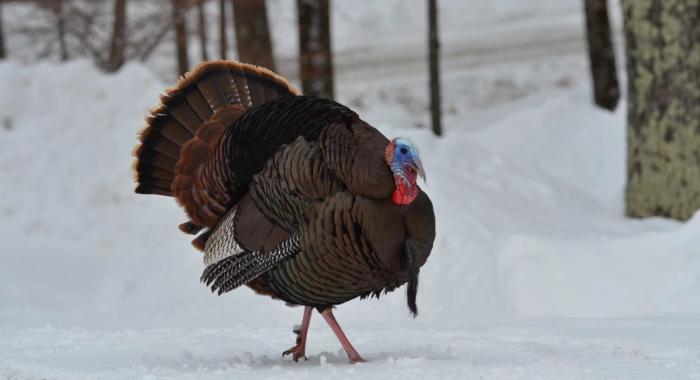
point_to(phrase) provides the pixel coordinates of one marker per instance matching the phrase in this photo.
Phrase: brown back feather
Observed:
(356, 155)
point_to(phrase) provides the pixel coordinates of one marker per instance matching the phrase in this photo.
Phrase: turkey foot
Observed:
(299, 350)
(353, 355)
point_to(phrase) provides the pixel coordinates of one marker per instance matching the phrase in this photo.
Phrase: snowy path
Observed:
(519, 42)
(649, 348)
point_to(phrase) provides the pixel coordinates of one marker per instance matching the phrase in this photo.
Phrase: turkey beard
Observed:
(413, 271)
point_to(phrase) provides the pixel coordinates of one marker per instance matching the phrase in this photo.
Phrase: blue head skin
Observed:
(403, 160)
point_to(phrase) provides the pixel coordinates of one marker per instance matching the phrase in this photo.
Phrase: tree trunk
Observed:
(179, 8)
(315, 53)
(202, 21)
(606, 91)
(252, 33)
(223, 41)
(662, 40)
(434, 48)
(118, 42)
(61, 30)
(3, 53)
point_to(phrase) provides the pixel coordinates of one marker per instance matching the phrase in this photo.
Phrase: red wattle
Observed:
(404, 194)
(397, 198)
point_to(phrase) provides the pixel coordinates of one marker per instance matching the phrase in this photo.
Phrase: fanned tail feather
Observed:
(185, 129)
(184, 108)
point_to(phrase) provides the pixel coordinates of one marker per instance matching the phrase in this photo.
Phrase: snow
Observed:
(654, 348)
(536, 273)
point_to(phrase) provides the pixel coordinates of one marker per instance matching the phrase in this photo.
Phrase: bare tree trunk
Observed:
(606, 91)
(434, 58)
(252, 33)
(201, 19)
(60, 29)
(223, 41)
(179, 9)
(3, 52)
(315, 53)
(662, 40)
(118, 41)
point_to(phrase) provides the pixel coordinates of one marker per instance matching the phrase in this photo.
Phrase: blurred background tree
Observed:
(434, 67)
(601, 52)
(179, 8)
(202, 29)
(253, 33)
(223, 41)
(2, 34)
(57, 8)
(315, 54)
(117, 43)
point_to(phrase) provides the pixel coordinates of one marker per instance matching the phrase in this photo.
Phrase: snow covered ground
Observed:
(647, 348)
(535, 272)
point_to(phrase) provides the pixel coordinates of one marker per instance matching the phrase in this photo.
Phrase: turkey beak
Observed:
(416, 165)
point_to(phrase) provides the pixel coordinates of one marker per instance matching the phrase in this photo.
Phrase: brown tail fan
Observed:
(184, 130)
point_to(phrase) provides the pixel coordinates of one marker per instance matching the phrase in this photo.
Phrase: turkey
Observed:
(293, 196)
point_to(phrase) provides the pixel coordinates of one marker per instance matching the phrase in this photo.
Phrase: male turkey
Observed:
(293, 196)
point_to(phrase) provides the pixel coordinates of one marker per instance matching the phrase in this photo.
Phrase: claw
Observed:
(299, 349)
(296, 352)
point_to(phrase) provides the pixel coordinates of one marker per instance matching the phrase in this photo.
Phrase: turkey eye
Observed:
(403, 150)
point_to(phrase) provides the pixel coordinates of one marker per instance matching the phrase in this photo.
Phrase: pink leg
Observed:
(353, 356)
(299, 350)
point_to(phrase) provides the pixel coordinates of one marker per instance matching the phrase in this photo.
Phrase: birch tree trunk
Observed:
(315, 53)
(606, 91)
(252, 33)
(663, 117)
